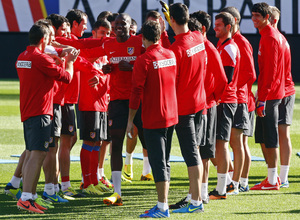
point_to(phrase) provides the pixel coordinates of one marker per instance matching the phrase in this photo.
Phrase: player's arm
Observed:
(138, 82)
(70, 59)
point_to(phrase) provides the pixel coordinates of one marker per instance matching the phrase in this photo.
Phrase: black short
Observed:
(266, 128)
(249, 132)
(286, 109)
(93, 126)
(159, 146)
(202, 130)
(225, 113)
(186, 133)
(68, 119)
(118, 115)
(241, 117)
(56, 124)
(208, 150)
(37, 131)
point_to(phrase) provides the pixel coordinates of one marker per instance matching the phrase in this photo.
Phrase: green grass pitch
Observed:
(139, 196)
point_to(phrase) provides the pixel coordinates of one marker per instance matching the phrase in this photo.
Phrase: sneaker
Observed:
(234, 192)
(189, 209)
(180, 204)
(148, 177)
(114, 199)
(244, 188)
(81, 186)
(205, 201)
(155, 212)
(214, 195)
(106, 182)
(42, 208)
(127, 172)
(91, 190)
(150, 210)
(62, 195)
(285, 185)
(230, 188)
(28, 206)
(101, 187)
(43, 203)
(124, 180)
(265, 185)
(70, 192)
(15, 193)
(53, 198)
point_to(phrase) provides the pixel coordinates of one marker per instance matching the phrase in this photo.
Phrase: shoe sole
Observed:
(30, 211)
(217, 198)
(7, 192)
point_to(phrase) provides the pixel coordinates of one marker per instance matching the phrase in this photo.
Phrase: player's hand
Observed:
(72, 55)
(162, 24)
(94, 81)
(56, 58)
(125, 66)
(107, 68)
(129, 130)
(260, 108)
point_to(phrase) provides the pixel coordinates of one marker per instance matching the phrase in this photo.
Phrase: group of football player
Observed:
(128, 85)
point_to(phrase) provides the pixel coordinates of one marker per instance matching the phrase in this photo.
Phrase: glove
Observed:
(165, 10)
(260, 108)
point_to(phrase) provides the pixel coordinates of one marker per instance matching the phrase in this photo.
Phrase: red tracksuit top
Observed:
(37, 72)
(271, 80)
(153, 83)
(215, 79)
(191, 57)
(247, 74)
(289, 83)
(90, 97)
(230, 56)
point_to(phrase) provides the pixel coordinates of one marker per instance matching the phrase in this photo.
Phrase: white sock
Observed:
(228, 179)
(221, 184)
(272, 175)
(49, 188)
(128, 159)
(230, 174)
(188, 197)
(15, 181)
(26, 196)
(162, 206)
(34, 196)
(235, 184)
(65, 185)
(116, 178)
(284, 172)
(146, 167)
(100, 172)
(56, 188)
(204, 191)
(244, 182)
(195, 202)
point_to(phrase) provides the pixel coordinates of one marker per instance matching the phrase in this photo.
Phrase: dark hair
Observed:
(104, 14)
(112, 17)
(234, 12)
(151, 31)
(226, 18)
(261, 8)
(180, 13)
(153, 14)
(195, 25)
(75, 15)
(37, 32)
(203, 17)
(57, 20)
(101, 23)
(47, 22)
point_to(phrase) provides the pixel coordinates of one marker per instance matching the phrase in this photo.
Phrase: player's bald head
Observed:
(124, 16)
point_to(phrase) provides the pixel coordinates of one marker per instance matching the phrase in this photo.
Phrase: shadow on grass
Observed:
(267, 213)
(9, 96)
